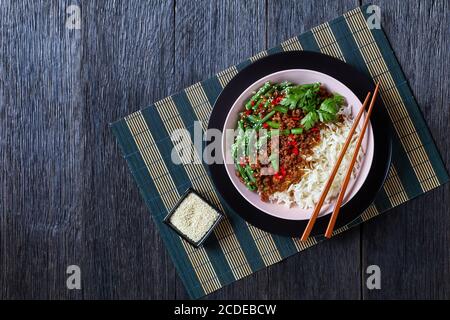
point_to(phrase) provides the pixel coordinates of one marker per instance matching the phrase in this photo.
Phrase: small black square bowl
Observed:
(220, 214)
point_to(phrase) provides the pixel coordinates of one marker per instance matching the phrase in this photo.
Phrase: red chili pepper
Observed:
(252, 103)
(291, 136)
(295, 118)
(277, 100)
(283, 171)
(295, 151)
(248, 112)
(293, 143)
(265, 125)
(315, 129)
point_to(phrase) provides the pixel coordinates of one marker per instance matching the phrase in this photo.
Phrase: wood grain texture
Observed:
(61, 205)
(127, 64)
(410, 244)
(203, 29)
(41, 134)
(306, 275)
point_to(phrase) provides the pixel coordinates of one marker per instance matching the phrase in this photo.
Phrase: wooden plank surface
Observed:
(42, 135)
(410, 244)
(127, 64)
(61, 205)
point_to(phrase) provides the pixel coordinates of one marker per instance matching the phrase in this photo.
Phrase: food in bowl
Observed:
(288, 138)
(193, 217)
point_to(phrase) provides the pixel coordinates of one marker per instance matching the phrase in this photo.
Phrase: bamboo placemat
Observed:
(238, 249)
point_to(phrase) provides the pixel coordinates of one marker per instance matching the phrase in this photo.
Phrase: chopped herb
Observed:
(307, 98)
(310, 120)
(302, 96)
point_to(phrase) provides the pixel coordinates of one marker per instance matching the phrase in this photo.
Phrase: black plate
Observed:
(360, 84)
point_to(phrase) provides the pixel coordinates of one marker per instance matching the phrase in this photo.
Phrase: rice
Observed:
(306, 193)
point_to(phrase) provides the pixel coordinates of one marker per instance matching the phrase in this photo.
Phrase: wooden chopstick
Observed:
(324, 193)
(340, 198)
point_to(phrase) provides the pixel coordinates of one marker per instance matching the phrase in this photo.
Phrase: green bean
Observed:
(273, 124)
(269, 93)
(257, 104)
(281, 109)
(267, 117)
(297, 130)
(250, 186)
(252, 118)
(252, 102)
(250, 173)
(284, 85)
(274, 161)
(266, 87)
(241, 124)
(284, 132)
(275, 132)
(242, 172)
(246, 177)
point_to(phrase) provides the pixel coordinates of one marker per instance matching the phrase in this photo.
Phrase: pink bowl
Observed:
(298, 76)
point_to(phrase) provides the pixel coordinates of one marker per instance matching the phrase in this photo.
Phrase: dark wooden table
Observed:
(67, 196)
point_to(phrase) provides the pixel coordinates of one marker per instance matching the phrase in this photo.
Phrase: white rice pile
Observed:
(306, 193)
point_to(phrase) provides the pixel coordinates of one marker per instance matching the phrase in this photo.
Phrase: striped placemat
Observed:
(238, 249)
